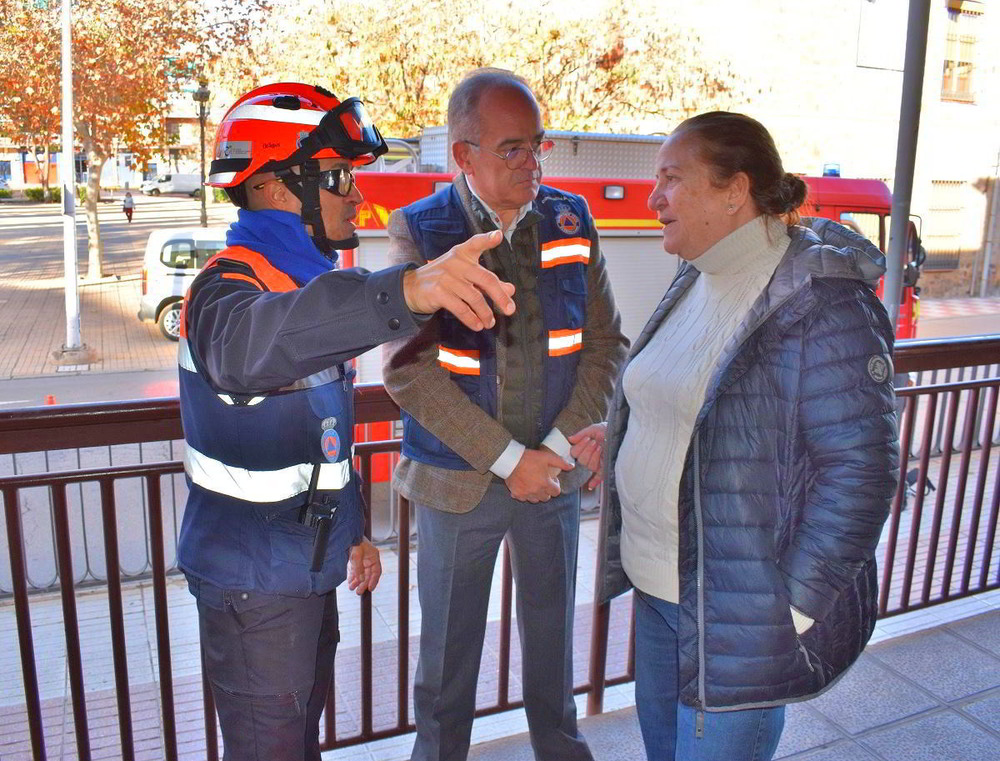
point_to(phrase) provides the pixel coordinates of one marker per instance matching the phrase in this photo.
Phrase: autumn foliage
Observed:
(625, 68)
(129, 58)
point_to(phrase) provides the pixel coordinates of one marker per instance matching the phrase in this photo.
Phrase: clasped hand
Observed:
(588, 451)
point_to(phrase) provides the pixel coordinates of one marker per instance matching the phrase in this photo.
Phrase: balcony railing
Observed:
(76, 516)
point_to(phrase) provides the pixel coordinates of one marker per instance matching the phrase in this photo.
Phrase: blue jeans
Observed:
(668, 726)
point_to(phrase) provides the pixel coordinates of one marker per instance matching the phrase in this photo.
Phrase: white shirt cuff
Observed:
(508, 460)
(558, 444)
(801, 621)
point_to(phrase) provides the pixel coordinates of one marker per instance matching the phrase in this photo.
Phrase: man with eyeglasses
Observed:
(486, 416)
(274, 515)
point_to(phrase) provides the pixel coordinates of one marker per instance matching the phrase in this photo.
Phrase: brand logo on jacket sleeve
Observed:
(879, 368)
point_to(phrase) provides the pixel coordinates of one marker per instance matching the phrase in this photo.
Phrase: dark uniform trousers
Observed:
(269, 659)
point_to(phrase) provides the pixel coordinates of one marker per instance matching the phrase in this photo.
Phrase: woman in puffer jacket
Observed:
(751, 451)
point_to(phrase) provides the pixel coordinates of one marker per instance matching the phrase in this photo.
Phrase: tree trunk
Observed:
(95, 248)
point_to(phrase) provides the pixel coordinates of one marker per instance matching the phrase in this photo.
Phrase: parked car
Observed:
(173, 257)
(189, 184)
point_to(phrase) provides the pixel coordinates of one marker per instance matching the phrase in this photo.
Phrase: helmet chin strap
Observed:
(305, 187)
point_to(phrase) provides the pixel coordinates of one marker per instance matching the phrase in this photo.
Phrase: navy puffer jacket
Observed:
(787, 480)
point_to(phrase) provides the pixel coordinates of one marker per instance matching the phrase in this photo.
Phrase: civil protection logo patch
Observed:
(330, 440)
(879, 368)
(566, 220)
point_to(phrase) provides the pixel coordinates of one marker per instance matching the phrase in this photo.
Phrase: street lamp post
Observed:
(201, 97)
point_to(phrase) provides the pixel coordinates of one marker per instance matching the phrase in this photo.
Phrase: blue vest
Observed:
(437, 223)
(249, 460)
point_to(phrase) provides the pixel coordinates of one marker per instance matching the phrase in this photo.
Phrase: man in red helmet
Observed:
(274, 516)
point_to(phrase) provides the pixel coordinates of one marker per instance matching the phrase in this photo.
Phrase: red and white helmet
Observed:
(285, 124)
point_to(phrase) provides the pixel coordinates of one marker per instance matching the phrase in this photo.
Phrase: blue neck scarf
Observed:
(281, 238)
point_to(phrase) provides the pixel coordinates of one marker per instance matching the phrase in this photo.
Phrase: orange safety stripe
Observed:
(562, 342)
(575, 247)
(267, 274)
(451, 359)
(270, 276)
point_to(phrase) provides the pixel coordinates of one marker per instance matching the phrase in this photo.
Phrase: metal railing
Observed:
(935, 548)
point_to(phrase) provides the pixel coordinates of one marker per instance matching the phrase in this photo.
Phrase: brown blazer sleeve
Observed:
(604, 349)
(423, 388)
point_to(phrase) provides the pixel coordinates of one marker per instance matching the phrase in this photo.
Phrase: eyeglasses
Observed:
(516, 158)
(339, 181)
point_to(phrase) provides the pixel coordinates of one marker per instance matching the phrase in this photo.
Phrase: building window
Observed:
(960, 51)
(942, 235)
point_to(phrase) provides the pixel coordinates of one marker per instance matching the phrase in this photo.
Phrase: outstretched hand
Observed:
(457, 282)
(364, 568)
(588, 450)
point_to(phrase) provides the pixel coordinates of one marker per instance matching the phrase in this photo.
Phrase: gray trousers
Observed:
(454, 571)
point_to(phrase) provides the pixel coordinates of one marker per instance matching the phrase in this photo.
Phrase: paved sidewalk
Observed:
(32, 297)
(32, 306)
(934, 668)
(929, 696)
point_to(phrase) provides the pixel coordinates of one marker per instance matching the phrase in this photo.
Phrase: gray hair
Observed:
(463, 105)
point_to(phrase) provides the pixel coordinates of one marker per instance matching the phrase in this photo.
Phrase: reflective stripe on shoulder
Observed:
(565, 251)
(261, 485)
(461, 361)
(565, 341)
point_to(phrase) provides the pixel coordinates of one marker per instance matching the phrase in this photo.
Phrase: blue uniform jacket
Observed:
(264, 387)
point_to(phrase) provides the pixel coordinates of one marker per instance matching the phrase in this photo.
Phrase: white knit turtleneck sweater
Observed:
(665, 387)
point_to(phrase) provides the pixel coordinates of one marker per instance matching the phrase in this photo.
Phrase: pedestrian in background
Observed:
(128, 206)
(751, 452)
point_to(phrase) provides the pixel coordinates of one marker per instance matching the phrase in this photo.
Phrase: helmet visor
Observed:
(349, 131)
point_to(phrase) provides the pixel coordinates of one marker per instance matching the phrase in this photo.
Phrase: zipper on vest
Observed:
(699, 725)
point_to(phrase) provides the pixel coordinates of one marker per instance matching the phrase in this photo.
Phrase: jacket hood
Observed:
(822, 248)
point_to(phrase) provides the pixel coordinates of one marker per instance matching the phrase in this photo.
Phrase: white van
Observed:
(173, 258)
(189, 184)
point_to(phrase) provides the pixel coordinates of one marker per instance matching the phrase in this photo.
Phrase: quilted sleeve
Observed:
(848, 431)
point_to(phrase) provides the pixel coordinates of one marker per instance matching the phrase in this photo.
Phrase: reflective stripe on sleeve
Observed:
(461, 361)
(565, 341)
(565, 251)
(261, 485)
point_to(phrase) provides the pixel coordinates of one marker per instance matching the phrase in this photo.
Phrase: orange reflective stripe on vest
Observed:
(565, 251)
(461, 361)
(565, 341)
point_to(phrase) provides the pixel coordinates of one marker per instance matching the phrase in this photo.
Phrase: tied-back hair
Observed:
(463, 105)
(731, 143)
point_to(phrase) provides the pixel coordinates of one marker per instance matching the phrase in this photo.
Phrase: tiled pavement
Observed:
(32, 310)
(32, 306)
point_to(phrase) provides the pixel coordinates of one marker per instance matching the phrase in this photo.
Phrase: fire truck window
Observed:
(863, 224)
